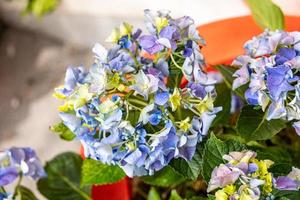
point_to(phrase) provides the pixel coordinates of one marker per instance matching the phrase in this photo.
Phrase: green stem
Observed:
(171, 116)
(194, 111)
(178, 55)
(137, 101)
(134, 106)
(2, 189)
(194, 101)
(17, 186)
(127, 111)
(134, 59)
(174, 62)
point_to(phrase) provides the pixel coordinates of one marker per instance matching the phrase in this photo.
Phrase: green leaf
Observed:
(267, 14)
(96, 173)
(214, 151)
(174, 195)
(285, 194)
(223, 99)
(25, 194)
(153, 194)
(227, 73)
(40, 7)
(190, 169)
(253, 125)
(63, 179)
(282, 159)
(63, 131)
(164, 178)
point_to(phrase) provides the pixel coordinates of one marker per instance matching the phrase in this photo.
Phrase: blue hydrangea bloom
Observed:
(271, 67)
(123, 108)
(14, 161)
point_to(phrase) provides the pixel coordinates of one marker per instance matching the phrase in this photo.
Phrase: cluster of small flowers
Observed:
(244, 177)
(15, 162)
(271, 67)
(146, 100)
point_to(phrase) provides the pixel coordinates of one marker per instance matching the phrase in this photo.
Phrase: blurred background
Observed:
(37, 46)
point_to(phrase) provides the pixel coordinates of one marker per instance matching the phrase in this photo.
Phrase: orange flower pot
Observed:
(225, 41)
(225, 38)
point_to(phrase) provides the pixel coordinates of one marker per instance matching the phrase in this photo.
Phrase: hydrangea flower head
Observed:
(242, 177)
(16, 161)
(271, 68)
(129, 109)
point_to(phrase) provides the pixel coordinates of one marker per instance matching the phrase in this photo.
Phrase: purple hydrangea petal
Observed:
(252, 98)
(276, 110)
(285, 183)
(8, 175)
(277, 81)
(149, 44)
(222, 176)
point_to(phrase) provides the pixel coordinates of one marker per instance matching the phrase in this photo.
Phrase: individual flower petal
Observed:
(149, 43)
(222, 176)
(145, 84)
(161, 98)
(187, 146)
(276, 110)
(175, 99)
(277, 81)
(242, 74)
(100, 52)
(8, 175)
(285, 183)
(284, 55)
(239, 157)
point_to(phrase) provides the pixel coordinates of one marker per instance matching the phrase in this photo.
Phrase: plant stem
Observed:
(174, 62)
(17, 186)
(2, 189)
(171, 117)
(134, 59)
(133, 106)
(127, 110)
(137, 101)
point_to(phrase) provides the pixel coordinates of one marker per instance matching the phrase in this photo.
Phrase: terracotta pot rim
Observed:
(225, 38)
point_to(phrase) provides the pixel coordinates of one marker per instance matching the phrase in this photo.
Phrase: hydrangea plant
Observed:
(146, 105)
(149, 108)
(130, 108)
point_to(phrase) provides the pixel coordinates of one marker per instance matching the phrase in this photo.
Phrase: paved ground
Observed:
(31, 65)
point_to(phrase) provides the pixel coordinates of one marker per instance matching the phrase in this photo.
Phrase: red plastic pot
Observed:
(225, 41)
(117, 191)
